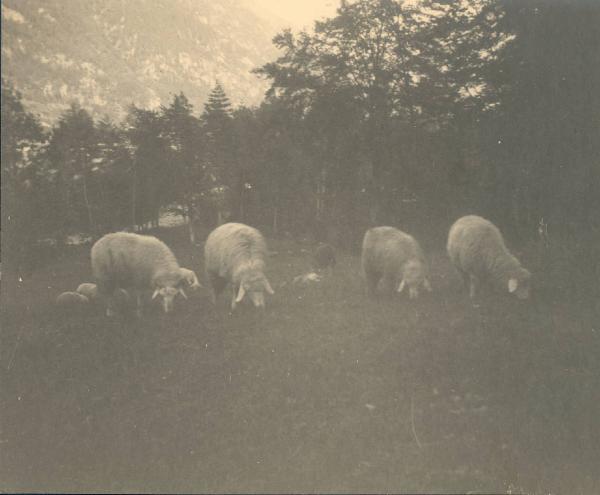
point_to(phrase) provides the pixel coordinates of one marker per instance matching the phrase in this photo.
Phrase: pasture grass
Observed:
(326, 391)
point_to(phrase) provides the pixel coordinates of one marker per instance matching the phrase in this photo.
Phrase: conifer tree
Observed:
(219, 153)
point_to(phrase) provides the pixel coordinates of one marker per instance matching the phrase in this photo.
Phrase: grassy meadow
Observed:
(326, 391)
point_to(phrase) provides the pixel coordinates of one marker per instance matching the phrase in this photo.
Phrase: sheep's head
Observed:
(519, 283)
(254, 284)
(413, 276)
(167, 288)
(190, 278)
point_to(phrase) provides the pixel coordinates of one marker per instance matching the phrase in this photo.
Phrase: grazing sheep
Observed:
(88, 290)
(324, 257)
(136, 262)
(395, 257)
(234, 253)
(191, 278)
(477, 250)
(72, 302)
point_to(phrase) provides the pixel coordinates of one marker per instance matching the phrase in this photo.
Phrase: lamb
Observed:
(120, 297)
(88, 290)
(477, 250)
(324, 257)
(136, 262)
(72, 302)
(234, 253)
(191, 278)
(395, 258)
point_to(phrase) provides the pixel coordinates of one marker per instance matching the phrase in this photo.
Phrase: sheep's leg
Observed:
(472, 286)
(371, 283)
(109, 308)
(218, 284)
(233, 298)
(140, 302)
(413, 292)
(389, 284)
(106, 292)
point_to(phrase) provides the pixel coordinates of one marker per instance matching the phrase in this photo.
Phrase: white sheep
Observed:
(395, 258)
(234, 253)
(191, 278)
(72, 302)
(120, 297)
(88, 290)
(477, 250)
(136, 262)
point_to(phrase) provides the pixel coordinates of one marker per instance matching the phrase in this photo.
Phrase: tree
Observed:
(181, 130)
(218, 154)
(22, 141)
(72, 148)
(384, 75)
(152, 180)
(548, 112)
(113, 166)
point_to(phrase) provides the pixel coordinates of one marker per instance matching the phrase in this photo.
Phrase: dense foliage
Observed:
(390, 112)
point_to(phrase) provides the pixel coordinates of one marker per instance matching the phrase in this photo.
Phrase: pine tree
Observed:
(182, 132)
(218, 104)
(218, 152)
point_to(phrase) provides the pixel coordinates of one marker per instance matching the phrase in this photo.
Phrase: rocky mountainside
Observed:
(107, 54)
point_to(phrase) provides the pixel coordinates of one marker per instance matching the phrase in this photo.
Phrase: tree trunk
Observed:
(191, 220)
(88, 206)
(133, 196)
(275, 219)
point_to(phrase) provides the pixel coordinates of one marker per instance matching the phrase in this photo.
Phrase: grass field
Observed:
(325, 392)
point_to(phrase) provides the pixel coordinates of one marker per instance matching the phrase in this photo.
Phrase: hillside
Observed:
(111, 53)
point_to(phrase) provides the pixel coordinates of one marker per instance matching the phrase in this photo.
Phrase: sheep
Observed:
(72, 302)
(323, 257)
(120, 297)
(476, 248)
(234, 253)
(395, 257)
(191, 278)
(136, 262)
(88, 290)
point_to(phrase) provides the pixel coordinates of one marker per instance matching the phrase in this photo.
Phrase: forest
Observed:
(389, 112)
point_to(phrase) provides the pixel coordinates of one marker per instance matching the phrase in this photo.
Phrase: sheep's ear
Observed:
(241, 293)
(427, 285)
(401, 286)
(512, 285)
(156, 293)
(268, 287)
(182, 293)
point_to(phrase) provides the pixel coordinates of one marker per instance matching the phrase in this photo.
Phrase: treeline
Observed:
(384, 114)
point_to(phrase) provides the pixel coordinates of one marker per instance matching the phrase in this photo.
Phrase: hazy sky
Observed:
(297, 13)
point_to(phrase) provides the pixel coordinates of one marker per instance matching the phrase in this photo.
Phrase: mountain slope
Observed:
(107, 54)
